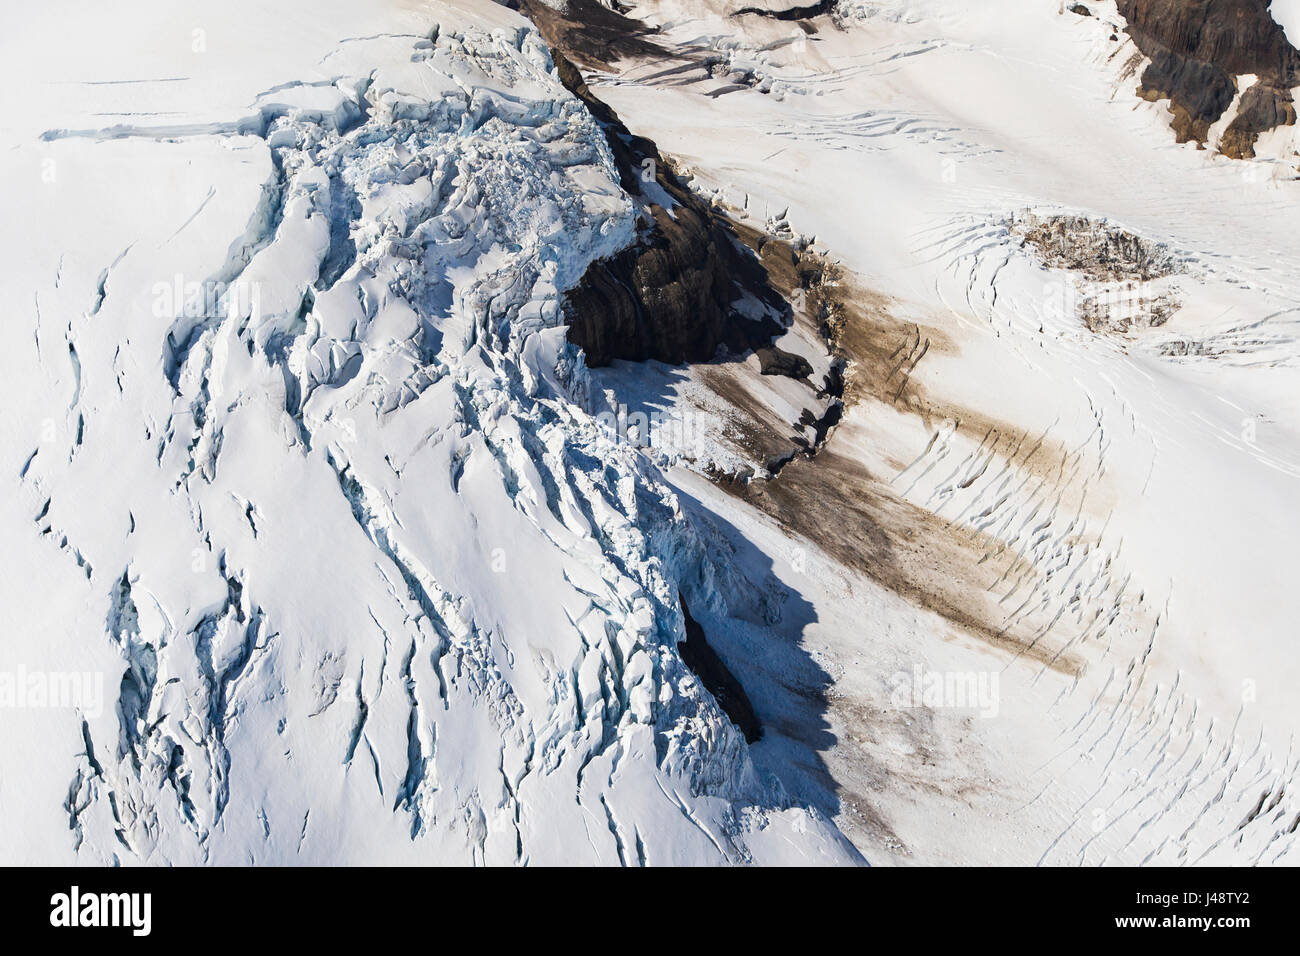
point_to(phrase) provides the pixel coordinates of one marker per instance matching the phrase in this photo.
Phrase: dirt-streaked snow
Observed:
(1128, 491)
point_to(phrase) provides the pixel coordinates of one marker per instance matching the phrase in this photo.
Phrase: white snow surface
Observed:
(295, 464)
(1155, 547)
(1287, 13)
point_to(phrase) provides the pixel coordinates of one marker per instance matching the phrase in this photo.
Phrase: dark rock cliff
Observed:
(672, 295)
(1198, 48)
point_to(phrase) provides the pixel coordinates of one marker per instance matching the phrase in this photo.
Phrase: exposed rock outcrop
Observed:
(1261, 109)
(687, 287)
(1198, 48)
(1094, 248)
(673, 296)
(775, 361)
(590, 33)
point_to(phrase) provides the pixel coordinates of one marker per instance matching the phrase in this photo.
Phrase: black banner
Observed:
(936, 907)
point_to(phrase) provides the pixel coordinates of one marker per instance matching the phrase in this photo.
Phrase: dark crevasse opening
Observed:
(717, 679)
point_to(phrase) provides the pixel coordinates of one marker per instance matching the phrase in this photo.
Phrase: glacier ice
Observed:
(377, 587)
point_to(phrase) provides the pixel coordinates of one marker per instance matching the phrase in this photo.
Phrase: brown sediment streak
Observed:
(857, 519)
(667, 298)
(862, 522)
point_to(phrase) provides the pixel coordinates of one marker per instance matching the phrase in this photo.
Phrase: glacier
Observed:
(378, 587)
(327, 545)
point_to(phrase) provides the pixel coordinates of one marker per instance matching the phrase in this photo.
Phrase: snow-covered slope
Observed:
(1066, 475)
(292, 463)
(325, 545)
(1287, 13)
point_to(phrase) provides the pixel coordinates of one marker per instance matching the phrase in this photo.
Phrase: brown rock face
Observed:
(671, 295)
(1262, 108)
(589, 32)
(1198, 48)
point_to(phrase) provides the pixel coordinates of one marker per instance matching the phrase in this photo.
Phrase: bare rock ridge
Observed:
(1198, 48)
(671, 296)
